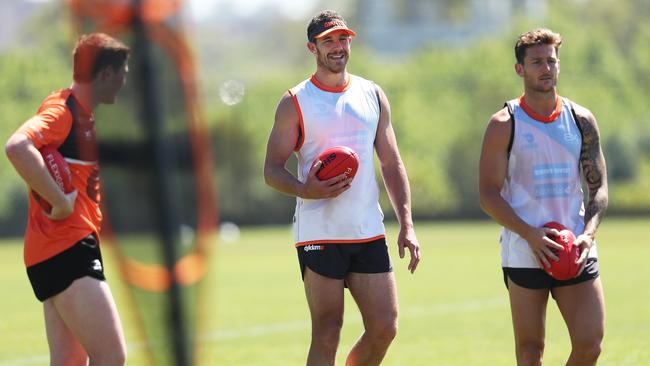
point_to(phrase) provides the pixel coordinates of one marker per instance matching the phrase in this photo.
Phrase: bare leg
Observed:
(88, 310)
(325, 300)
(376, 297)
(583, 309)
(528, 309)
(65, 350)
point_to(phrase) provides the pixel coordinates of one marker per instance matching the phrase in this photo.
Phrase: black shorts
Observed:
(536, 278)
(337, 260)
(55, 274)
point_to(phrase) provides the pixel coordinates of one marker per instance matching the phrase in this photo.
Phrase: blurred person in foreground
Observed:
(62, 255)
(534, 150)
(338, 224)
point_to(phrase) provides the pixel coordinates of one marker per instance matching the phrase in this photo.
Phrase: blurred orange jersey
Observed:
(65, 124)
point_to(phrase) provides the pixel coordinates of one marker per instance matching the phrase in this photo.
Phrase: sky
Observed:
(201, 9)
(298, 9)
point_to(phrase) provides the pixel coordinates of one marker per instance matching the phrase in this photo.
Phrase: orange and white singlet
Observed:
(345, 116)
(543, 179)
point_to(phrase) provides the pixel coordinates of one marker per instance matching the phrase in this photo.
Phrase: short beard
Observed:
(321, 60)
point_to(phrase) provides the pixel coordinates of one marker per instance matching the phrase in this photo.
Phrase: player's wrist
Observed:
(300, 189)
(529, 233)
(58, 200)
(406, 224)
(590, 235)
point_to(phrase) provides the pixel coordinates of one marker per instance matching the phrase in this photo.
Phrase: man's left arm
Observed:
(595, 173)
(396, 181)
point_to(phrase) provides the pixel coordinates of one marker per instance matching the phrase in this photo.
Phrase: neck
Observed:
(542, 103)
(330, 79)
(84, 92)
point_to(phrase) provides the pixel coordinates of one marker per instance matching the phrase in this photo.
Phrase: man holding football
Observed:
(338, 224)
(62, 254)
(534, 151)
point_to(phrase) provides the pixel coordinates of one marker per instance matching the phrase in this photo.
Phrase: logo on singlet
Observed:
(530, 141)
(310, 247)
(96, 265)
(570, 137)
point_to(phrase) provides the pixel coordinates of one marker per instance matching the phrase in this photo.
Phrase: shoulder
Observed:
(300, 86)
(499, 128)
(55, 104)
(582, 113)
(365, 84)
(287, 108)
(587, 123)
(359, 78)
(58, 97)
(500, 119)
(384, 104)
(377, 90)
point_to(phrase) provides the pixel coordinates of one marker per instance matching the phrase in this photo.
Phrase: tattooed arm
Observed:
(595, 172)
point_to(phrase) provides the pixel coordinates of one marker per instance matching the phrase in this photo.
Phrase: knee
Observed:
(383, 332)
(587, 351)
(327, 330)
(530, 353)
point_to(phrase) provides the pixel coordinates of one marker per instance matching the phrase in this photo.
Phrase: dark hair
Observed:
(534, 38)
(95, 52)
(318, 21)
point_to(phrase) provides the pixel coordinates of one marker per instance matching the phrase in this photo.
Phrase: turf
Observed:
(453, 310)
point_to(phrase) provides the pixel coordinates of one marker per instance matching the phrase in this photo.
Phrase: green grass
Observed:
(453, 310)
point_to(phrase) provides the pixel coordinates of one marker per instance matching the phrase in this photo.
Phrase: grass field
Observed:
(453, 310)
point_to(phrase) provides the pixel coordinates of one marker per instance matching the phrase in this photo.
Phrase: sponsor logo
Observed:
(96, 265)
(551, 171)
(552, 190)
(529, 137)
(330, 158)
(334, 23)
(530, 141)
(310, 247)
(56, 173)
(570, 137)
(88, 242)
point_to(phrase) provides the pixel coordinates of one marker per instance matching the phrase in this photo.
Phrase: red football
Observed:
(337, 160)
(565, 268)
(59, 170)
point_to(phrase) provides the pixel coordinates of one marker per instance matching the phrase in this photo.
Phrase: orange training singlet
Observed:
(65, 124)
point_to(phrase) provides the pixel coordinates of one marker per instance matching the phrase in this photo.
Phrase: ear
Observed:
(519, 69)
(106, 73)
(312, 47)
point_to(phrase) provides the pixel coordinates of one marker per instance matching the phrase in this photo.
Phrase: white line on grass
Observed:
(32, 360)
(410, 312)
(284, 327)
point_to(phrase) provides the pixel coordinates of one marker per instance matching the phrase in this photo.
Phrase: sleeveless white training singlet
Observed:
(347, 116)
(543, 179)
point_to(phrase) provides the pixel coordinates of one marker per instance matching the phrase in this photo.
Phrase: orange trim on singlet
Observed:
(541, 118)
(337, 89)
(301, 138)
(354, 241)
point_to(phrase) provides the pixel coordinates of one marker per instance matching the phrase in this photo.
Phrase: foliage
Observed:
(441, 99)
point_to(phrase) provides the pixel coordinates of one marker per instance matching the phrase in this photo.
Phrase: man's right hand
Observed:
(63, 209)
(541, 245)
(314, 188)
